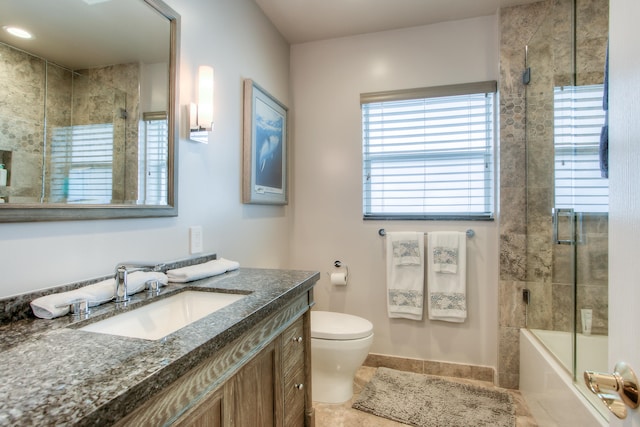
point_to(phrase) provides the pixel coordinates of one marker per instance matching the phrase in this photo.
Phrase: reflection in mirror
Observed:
(87, 129)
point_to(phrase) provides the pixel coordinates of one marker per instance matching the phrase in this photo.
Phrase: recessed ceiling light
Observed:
(92, 2)
(18, 32)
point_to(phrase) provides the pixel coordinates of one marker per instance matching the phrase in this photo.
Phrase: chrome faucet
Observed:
(122, 295)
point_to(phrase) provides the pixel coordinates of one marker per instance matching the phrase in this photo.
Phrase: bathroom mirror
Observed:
(88, 110)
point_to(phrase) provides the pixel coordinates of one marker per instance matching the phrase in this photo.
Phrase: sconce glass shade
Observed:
(205, 96)
(201, 113)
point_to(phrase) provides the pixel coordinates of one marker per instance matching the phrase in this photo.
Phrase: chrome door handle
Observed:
(557, 214)
(623, 381)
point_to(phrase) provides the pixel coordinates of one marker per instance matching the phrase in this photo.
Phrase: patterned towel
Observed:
(405, 275)
(445, 251)
(407, 252)
(447, 276)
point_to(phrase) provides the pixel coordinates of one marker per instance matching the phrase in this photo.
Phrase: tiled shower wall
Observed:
(92, 100)
(22, 122)
(528, 259)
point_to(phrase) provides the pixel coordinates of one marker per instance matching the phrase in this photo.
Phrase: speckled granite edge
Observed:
(17, 307)
(106, 376)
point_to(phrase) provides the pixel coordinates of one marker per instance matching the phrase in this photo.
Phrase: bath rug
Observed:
(428, 401)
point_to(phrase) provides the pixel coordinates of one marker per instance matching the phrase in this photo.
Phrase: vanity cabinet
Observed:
(263, 378)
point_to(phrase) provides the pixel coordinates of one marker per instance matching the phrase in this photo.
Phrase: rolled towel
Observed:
(200, 271)
(56, 305)
(98, 293)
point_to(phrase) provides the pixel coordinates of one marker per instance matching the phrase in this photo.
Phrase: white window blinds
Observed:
(153, 159)
(81, 164)
(578, 121)
(428, 153)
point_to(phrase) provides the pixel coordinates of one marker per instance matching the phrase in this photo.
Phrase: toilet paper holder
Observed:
(339, 264)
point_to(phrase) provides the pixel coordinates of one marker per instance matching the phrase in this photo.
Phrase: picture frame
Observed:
(265, 140)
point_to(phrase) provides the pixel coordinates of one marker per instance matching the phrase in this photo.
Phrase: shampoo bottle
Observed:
(3, 176)
(587, 319)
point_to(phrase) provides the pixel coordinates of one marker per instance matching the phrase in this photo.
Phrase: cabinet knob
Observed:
(296, 339)
(299, 386)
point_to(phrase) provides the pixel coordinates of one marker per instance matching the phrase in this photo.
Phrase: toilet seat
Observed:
(339, 326)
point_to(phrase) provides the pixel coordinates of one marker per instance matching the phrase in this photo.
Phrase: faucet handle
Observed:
(153, 287)
(80, 308)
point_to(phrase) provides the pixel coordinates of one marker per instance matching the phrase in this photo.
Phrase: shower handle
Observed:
(569, 213)
(623, 381)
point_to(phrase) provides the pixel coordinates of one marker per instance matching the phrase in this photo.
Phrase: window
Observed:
(81, 164)
(153, 159)
(578, 121)
(428, 153)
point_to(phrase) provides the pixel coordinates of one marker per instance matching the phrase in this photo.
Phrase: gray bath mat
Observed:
(428, 401)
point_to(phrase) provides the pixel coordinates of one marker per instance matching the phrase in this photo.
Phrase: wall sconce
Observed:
(201, 113)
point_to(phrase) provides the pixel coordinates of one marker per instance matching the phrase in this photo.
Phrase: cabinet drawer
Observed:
(294, 397)
(293, 347)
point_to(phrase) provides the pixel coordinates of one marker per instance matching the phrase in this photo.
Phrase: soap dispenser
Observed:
(3, 176)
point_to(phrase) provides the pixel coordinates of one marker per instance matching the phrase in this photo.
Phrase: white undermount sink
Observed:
(159, 319)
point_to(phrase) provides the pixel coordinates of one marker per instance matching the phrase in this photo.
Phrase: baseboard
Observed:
(430, 367)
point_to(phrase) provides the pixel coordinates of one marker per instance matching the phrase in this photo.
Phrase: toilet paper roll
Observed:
(338, 279)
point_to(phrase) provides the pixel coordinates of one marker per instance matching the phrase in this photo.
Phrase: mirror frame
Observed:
(31, 212)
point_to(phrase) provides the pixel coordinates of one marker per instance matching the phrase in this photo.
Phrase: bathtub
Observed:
(546, 383)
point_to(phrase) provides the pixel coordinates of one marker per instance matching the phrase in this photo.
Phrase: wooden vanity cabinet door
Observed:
(250, 394)
(246, 400)
(206, 414)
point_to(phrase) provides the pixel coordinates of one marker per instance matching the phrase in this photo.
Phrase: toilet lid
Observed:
(339, 326)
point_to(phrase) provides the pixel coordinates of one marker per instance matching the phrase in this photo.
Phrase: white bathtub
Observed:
(546, 382)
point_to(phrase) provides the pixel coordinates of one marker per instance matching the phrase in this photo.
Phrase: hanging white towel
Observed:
(405, 275)
(447, 276)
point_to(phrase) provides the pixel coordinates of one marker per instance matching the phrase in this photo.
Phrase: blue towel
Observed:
(604, 134)
(604, 151)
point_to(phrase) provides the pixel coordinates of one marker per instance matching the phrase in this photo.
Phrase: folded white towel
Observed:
(56, 305)
(445, 248)
(200, 271)
(405, 275)
(447, 289)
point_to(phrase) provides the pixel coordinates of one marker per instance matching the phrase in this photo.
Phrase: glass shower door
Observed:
(567, 198)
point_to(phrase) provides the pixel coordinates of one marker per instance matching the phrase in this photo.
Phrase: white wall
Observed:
(239, 42)
(327, 78)
(624, 200)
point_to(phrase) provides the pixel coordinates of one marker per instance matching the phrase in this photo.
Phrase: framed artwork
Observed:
(265, 147)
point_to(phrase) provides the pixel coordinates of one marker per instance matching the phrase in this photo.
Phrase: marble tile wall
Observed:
(21, 122)
(118, 86)
(95, 99)
(528, 259)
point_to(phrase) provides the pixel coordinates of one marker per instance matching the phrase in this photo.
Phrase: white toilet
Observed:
(339, 345)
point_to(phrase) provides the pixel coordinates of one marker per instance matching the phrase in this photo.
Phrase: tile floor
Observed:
(342, 415)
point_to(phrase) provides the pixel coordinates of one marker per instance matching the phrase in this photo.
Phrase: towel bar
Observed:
(470, 233)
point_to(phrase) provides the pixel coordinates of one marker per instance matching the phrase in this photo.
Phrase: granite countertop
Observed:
(54, 374)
